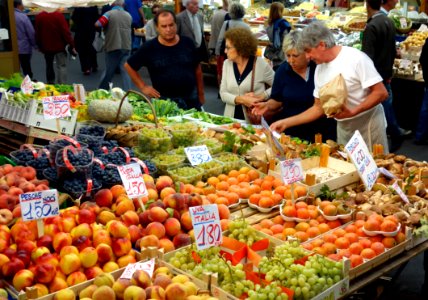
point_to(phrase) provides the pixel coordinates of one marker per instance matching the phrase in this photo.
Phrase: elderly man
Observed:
(117, 27)
(190, 23)
(172, 63)
(362, 110)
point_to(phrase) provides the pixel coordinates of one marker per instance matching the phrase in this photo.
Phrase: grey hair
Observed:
(119, 2)
(313, 34)
(236, 10)
(291, 40)
(185, 2)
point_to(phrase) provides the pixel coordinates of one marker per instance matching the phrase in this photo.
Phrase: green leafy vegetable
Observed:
(326, 193)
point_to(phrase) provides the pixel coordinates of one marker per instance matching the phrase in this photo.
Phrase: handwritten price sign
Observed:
(148, 266)
(362, 159)
(400, 192)
(56, 107)
(133, 180)
(198, 154)
(27, 86)
(291, 170)
(206, 226)
(39, 205)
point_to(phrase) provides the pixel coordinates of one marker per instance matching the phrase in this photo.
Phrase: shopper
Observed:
(292, 93)
(362, 111)
(190, 23)
(421, 134)
(387, 5)
(150, 28)
(52, 36)
(278, 27)
(135, 9)
(26, 38)
(84, 34)
(116, 24)
(243, 70)
(172, 63)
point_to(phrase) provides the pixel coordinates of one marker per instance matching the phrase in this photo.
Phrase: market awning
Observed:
(52, 5)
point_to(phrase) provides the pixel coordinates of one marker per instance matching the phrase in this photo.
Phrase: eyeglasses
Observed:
(229, 47)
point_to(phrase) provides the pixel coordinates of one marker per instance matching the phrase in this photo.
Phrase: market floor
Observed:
(407, 286)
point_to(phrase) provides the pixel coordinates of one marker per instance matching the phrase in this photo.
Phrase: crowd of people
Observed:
(288, 92)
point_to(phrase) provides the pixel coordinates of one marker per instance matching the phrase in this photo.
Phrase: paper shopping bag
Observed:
(333, 95)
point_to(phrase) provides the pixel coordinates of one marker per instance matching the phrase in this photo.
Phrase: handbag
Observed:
(98, 42)
(252, 118)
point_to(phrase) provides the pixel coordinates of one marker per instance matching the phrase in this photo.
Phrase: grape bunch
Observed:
(41, 162)
(93, 142)
(94, 130)
(271, 291)
(117, 157)
(80, 158)
(151, 166)
(240, 230)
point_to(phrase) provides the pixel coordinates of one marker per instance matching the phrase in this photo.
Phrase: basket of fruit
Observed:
(61, 142)
(334, 210)
(154, 141)
(166, 161)
(71, 161)
(185, 173)
(230, 161)
(211, 168)
(90, 133)
(183, 134)
(78, 187)
(213, 145)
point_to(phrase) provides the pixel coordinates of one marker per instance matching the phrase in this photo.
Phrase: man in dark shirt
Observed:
(379, 45)
(173, 65)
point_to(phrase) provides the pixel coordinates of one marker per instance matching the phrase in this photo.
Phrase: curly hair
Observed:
(243, 40)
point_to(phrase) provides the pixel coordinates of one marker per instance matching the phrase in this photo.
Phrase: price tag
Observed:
(405, 63)
(403, 22)
(206, 225)
(39, 205)
(362, 159)
(343, 154)
(56, 107)
(198, 154)
(400, 192)
(387, 173)
(27, 86)
(132, 180)
(148, 266)
(291, 170)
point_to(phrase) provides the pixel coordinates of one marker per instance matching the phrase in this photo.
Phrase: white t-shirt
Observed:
(356, 68)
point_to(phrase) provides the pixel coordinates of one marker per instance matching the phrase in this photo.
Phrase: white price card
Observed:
(148, 266)
(362, 159)
(56, 107)
(39, 205)
(197, 154)
(400, 192)
(387, 173)
(132, 180)
(291, 170)
(206, 225)
(27, 86)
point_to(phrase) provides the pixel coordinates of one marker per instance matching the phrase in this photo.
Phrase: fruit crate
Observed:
(350, 173)
(31, 114)
(416, 241)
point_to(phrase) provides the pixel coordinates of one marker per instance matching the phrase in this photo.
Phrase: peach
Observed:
(134, 293)
(130, 218)
(68, 249)
(60, 240)
(88, 291)
(162, 270)
(110, 267)
(191, 288)
(176, 291)
(76, 278)
(10, 268)
(105, 216)
(223, 211)
(163, 182)
(45, 273)
(186, 221)
(156, 228)
(172, 227)
(69, 263)
(152, 194)
(155, 292)
(149, 241)
(124, 206)
(180, 278)
(144, 218)
(119, 287)
(81, 230)
(48, 258)
(65, 294)
(93, 272)
(117, 190)
(82, 242)
(135, 232)
(105, 253)
(28, 246)
(88, 257)
(51, 230)
(125, 260)
(57, 284)
(104, 279)
(3, 259)
(104, 293)
(162, 280)
(121, 246)
(101, 237)
(141, 278)
(117, 229)
(67, 224)
(181, 240)
(39, 251)
(104, 198)
(158, 214)
(22, 279)
(42, 290)
(166, 244)
(148, 179)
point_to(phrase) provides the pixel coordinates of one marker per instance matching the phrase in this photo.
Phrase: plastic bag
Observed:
(333, 96)
(98, 42)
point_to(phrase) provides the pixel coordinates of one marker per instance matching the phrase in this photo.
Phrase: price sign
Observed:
(206, 226)
(27, 86)
(343, 154)
(362, 159)
(148, 266)
(400, 192)
(291, 170)
(39, 205)
(198, 154)
(132, 180)
(403, 22)
(56, 107)
(387, 173)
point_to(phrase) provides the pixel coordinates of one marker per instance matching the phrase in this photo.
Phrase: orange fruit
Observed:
(320, 250)
(301, 236)
(330, 210)
(392, 218)
(233, 173)
(372, 225)
(277, 228)
(255, 198)
(323, 227)
(253, 174)
(280, 190)
(313, 232)
(329, 238)
(244, 193)
(222, 186)
(289, 231)
(266, 202)
(278, 220)
(301, 204)
(302, 226)
(244, 170)
(356, 248)
(266, 185)
(277, 183)
(266, 223)
(330, 248)
(267, 231)
(356, 260)
(388, 226)
(360, 232)
(232, 198)
(352, 237)
(213, 181)
(366, 243)
(342, 243)
(243, 178)
(339, 232)
(300, 190)
(389, 242)
(368, 253)
(313, 214)
(378, 247)
(334, 224)
(303, 213)
(321, 219)
(232, 181)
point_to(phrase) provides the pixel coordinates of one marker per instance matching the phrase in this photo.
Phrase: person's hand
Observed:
(278, 126)
(260, 108)
(74, 52)
(249, 99)
(345, 113)
(150, 91)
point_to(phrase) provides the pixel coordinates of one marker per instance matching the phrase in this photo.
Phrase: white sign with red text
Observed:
(27, 85)
(291, 170)
(56, 107)
(148, 266)
(206, 225)
(132, 180)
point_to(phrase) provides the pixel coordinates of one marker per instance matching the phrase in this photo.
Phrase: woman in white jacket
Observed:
(238, 69)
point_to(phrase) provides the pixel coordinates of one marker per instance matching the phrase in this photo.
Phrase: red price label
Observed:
(132, 180)
(291, 170)
(56, 107)
(206, 226)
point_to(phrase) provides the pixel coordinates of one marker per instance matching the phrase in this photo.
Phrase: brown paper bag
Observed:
(333, 96)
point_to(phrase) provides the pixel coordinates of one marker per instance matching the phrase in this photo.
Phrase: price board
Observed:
(197, 154)
(387, 173)
(148, 266)
(56, 107)
(400, 192)
(362, 159)
(39, 205)
(132, 180)
(27, 86)
(206, 226)
(291, 170)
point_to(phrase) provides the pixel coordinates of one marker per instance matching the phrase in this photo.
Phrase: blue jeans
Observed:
(422, 128)
(392, 126)
(114, 59)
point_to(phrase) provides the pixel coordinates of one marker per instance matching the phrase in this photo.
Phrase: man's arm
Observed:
(141, 12)
(378, 93)
(140, 84)
(200, 84)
